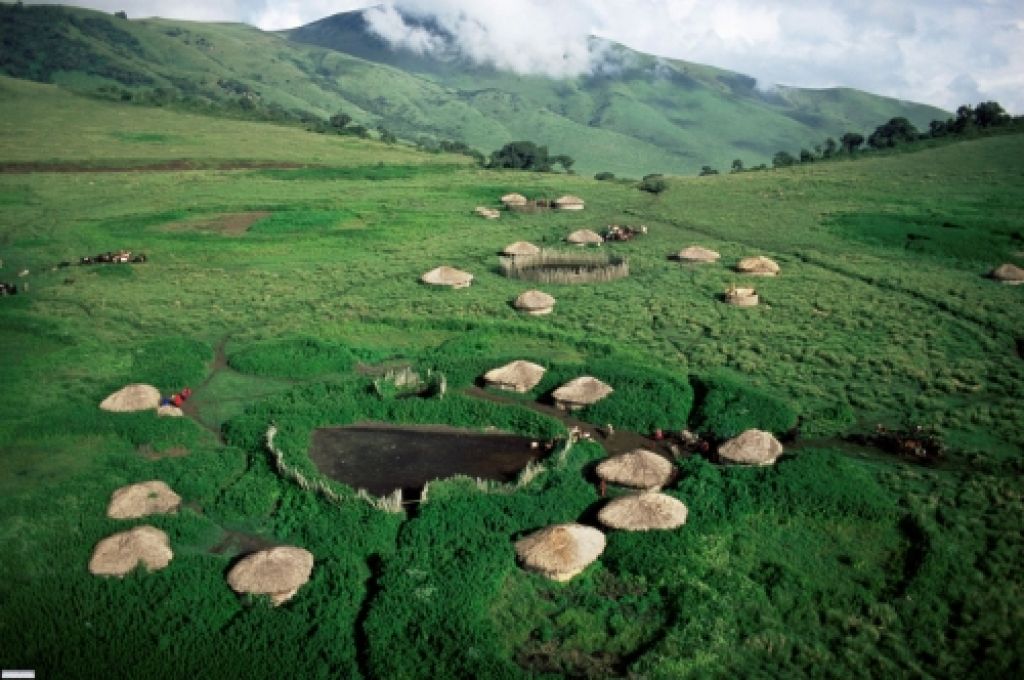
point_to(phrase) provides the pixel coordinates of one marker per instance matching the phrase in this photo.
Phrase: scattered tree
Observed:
(898, 130)
(564, 160)
(653, 183)
(806, 156)
(707, 170)
(851, 141)
(737, 165)
(604, 175)
(783, 159)
(120, 15)
(521, 156)
(990, 114)
(830, 148)
(340, 120)
(386, 136)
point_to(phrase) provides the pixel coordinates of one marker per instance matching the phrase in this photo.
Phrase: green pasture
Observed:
(837, 561)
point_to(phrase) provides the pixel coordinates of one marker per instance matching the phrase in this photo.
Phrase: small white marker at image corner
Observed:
(16, 675)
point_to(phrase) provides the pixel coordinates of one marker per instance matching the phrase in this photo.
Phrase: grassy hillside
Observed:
(267, 287)
(654, 115)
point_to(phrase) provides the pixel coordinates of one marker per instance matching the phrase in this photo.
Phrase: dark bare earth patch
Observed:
(230, 224)
(149, 453)
(381, 458)
(240, 543)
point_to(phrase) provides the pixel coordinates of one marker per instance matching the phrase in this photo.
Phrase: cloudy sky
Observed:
(942, 52)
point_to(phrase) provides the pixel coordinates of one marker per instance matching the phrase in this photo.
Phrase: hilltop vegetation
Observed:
(838, 560)
(646, 114)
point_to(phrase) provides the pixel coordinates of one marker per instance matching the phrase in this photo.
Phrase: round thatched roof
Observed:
(118, 554)
(169, 411)
(1008, 273)
(561, 551)
(447, 276)
(489, 213)
(518, 376)
(584, 237)
(639, 468)
(753, 447)
(136, 397)
(569, 203)
(759, 266)
(521, 248)
(697, 254)
(144, 498)
(513, 199)
(742, 297)
(535, 302)
(278, 572)
(643, 511)
(582, 391)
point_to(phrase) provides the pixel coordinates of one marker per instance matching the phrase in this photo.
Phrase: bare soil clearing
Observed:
(229, 224)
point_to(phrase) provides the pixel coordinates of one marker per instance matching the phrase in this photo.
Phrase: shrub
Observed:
(728, 407)
(654, 184)
(605, 175)
(171, 363)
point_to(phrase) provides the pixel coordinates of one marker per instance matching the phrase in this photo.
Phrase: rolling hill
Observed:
(651, 115)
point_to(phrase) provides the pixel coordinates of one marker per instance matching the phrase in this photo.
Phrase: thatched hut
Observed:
(697, 254)
(643, 511)
(753, 447)
(517, 376)
(560, 551)
(447, 276)
(758, 266)
(742, 297)
(136, 397)
(118, 554)
(535, 302)
(513, 200)
(580, 392)
(584, 237)
(640, 469)
(520, 248)
(145, 498)
(169, 411)
(1008, 273)
(569, 203)
(277, 572)
(489, 213)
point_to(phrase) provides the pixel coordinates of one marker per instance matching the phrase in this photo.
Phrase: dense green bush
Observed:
(294, 357)
(727, 407)
(644, 399)
(653, 184)
(170, 364)
(432, 617)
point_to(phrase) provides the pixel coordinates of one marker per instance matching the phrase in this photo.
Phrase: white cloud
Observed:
(529, 36)
(923, 50)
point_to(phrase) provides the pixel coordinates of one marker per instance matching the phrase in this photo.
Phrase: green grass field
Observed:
(838, 561)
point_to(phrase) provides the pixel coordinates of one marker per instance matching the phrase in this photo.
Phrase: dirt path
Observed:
(220, 362)
(162, 166)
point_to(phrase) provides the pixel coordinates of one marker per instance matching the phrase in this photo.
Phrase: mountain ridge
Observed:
(652, 115)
